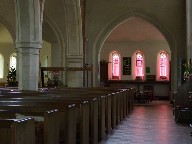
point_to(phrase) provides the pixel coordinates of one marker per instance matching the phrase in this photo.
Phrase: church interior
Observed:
(78, 71)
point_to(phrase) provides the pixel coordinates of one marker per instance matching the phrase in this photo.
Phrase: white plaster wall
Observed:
(6, 49)
(45, 54)
(149, 49)
(45, 58)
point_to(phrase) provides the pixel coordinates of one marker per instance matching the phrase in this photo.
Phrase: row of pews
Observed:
(62, 115)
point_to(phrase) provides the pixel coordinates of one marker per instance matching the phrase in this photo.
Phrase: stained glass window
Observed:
(163, 64)
(139, 62)
(115, 65)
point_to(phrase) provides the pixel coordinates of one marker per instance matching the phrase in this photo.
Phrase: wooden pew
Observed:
(94, 120)
(14, 131)
(86, 95)
(61, 100)
(94, 109)
(49, 125)
(119, 107)
(113, 114)
(109, 90)
(68, 118)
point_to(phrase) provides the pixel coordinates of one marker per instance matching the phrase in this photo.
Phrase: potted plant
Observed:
(11, 77)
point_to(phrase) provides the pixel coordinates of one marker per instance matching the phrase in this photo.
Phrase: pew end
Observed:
(17, 131)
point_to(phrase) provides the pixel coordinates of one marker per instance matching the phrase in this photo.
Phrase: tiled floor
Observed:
(151, 123)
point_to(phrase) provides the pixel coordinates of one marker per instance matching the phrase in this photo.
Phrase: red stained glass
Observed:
(115, 65)
(139, 59)
(163, 64)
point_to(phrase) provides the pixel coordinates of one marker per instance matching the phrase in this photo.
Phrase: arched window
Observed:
(1, 65)
(115, 65)
(163, 65)
(13, 60)
(139, 64)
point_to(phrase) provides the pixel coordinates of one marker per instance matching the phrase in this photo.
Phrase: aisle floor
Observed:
(151, 123)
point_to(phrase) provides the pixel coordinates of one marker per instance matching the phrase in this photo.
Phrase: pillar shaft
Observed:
(28, 42)
(28, 68)
(189, 28)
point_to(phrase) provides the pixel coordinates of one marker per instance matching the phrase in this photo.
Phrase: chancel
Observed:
(85, 71)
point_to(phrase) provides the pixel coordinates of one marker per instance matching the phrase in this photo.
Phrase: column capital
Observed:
(36, 44)
(34, 51)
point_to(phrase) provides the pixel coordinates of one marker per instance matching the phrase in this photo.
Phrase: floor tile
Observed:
(151, 123)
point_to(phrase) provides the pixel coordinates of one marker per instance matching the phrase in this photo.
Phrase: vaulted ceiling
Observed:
(48, 33)
(5, 36)
(135, 29)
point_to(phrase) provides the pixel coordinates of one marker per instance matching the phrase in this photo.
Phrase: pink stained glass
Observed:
(115, 65)
(139, 60)
(163, 64)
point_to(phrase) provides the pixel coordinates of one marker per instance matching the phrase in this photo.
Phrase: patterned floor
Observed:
(151, 123)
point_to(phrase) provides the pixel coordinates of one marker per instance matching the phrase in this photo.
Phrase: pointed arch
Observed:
(102, 35)
(60, 40)
(8, 26)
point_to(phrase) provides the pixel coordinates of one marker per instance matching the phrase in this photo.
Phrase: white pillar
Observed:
(28, 68)
(28, 41)
(189, 28)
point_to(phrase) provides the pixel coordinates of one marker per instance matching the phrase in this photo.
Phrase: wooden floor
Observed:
(151, 123)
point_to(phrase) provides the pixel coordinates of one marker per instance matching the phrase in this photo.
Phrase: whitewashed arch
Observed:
(102, 35)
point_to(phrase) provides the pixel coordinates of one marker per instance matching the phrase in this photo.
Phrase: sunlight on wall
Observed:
(45, 54)
(45, 58)
(1, 65)
(13, 61)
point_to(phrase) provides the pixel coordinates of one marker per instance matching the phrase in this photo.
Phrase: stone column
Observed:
(189, 28)
(28, 41)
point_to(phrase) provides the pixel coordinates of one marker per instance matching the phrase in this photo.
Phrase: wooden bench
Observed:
(62, 100)
(14, 131)
(102, 100)
(112, 114)
(67, 115)
(121, 103)
(49, 125)
(128, 91)
(118, 110)
(114, 106)
(94, 117)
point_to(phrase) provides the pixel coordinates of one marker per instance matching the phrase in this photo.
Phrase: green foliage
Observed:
(187, 69)
(11, 77)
